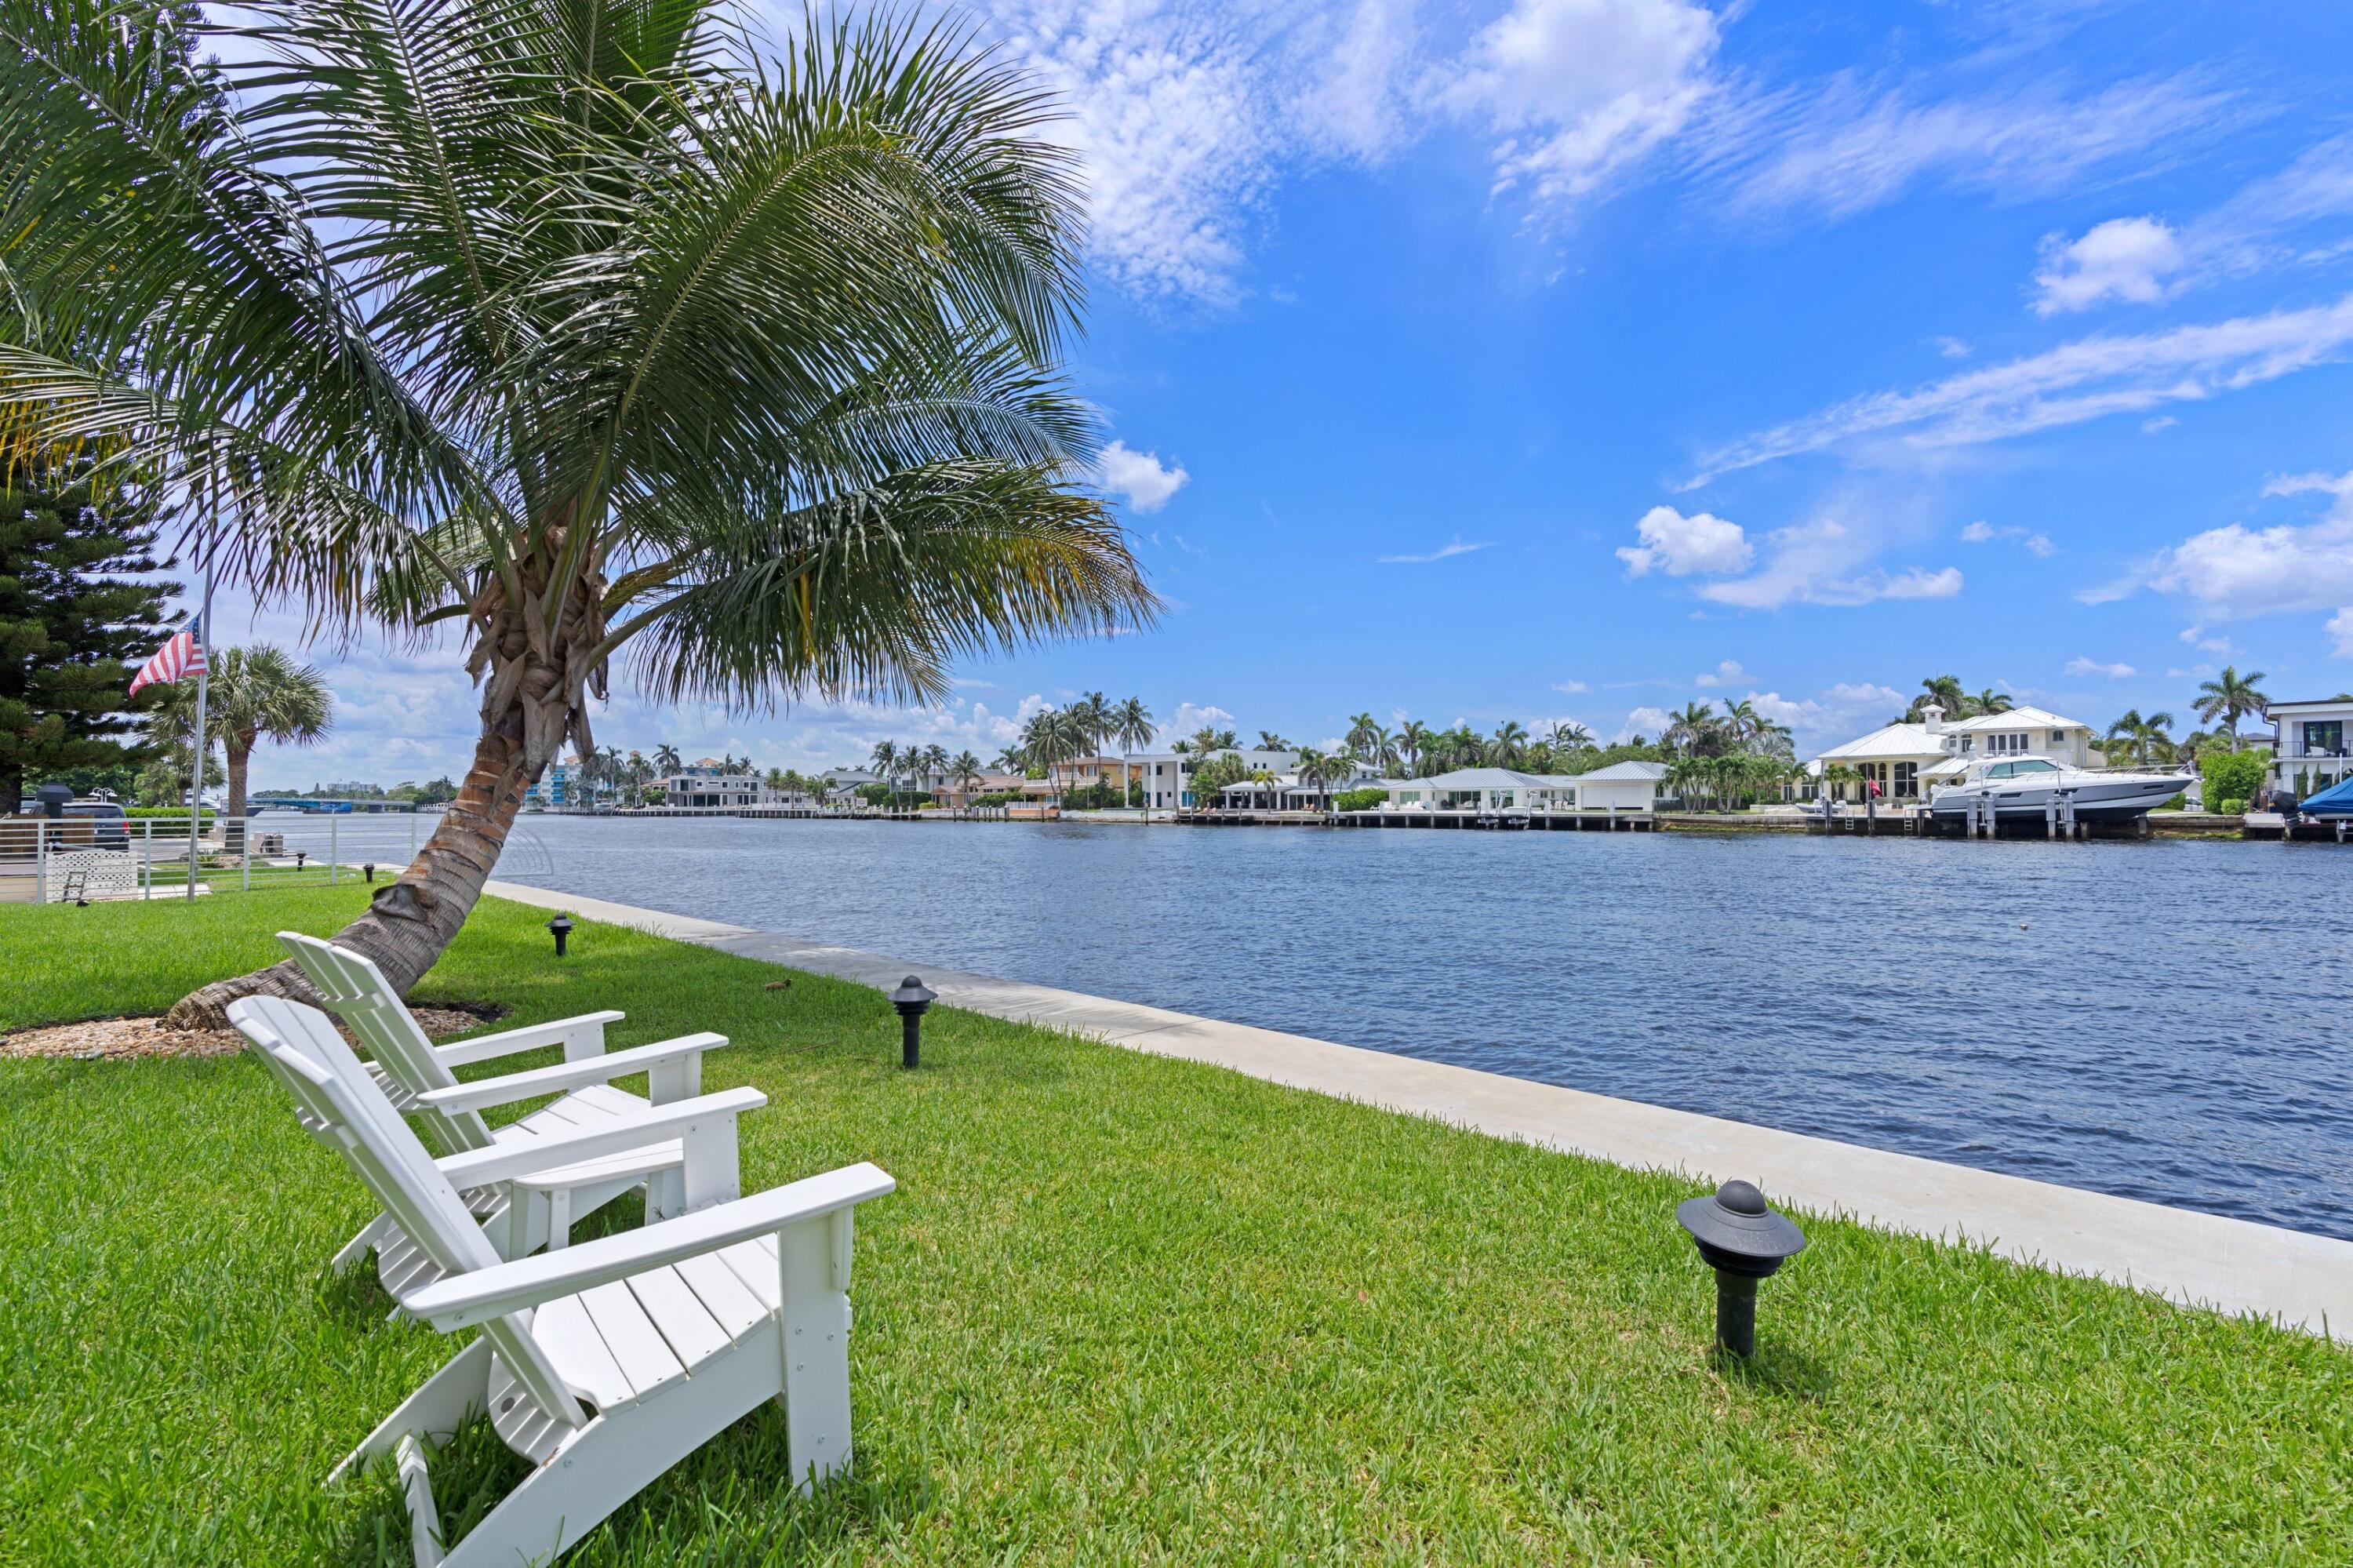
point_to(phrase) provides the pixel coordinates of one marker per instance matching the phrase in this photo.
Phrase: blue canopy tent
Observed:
(2336, 800)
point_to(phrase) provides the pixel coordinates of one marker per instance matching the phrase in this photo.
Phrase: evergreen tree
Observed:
(79, 608)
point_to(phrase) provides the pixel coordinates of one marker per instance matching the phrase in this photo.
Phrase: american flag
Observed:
(178, 659)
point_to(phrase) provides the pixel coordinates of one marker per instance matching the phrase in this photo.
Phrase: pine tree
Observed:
(79, 608)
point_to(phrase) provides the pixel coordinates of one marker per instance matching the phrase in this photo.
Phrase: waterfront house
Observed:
(1906, 759)
(1167, 776)
(1484, 790)
(2312, 753)
(1621, 786)
(559, 787)
(957, 793)
(709, 782)
(1078, 773)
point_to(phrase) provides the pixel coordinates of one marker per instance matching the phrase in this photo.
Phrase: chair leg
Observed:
(559, 1218)
(360, 1245)
(436, 1408)
(615, 1456)
(814, 1321)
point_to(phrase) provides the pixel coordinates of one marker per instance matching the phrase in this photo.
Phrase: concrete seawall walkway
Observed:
(2230, 1265)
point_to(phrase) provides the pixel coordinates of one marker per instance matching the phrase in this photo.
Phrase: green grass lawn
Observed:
(1121, 1308)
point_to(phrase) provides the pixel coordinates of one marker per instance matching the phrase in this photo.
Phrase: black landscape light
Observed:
(560, 927)
(370, 870)
(1744, 1241)
(911, 999)
(299, 856)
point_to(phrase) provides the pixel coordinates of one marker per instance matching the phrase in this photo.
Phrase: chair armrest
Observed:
(554, 1080)
(507, 1041)
(513, 1162)
(459, 1300)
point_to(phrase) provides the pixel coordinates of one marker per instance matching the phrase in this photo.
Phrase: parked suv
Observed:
(110, 828)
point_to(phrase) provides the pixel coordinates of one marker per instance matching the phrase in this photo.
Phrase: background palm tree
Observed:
(885, 757)
(1412, 739)
(965, 769)
(1510, 739)
(1268, 740)
(1989, 701)
(254, 692)
(1131, 725)
(576, 331)
(666, 758)
(935, 765)
(2143, 740)
(2230, 697)
(1945, 692)
(1568, 736)
(1362, 730)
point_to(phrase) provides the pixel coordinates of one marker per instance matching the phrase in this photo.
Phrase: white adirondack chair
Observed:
(604, 1363)
(416, 1075)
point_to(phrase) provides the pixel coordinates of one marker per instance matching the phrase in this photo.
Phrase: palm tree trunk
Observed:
(533, 698)
(237, 750)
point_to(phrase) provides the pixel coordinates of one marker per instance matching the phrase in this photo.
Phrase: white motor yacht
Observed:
(2024, 786)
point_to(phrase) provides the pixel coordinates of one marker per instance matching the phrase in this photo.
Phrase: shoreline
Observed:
(2292, 1279)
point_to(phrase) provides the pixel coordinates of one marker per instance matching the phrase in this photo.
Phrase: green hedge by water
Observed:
(1122, 1309)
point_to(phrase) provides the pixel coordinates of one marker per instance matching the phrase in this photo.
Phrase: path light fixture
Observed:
(299, 856)
(560, 928)
(911, 999)
(1744, 1241)
(370, 870)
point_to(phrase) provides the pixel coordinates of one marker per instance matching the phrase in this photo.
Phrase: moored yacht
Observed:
(2027, 786)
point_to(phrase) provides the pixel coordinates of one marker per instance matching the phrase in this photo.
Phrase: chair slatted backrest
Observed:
(330, 1085)
(356, 991)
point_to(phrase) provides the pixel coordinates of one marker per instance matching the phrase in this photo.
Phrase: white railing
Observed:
(79, 859)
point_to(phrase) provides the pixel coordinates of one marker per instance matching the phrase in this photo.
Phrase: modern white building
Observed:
(1622, 785)
(1905, 759)
(2313, 750)
(1167, 776)
(710, 781)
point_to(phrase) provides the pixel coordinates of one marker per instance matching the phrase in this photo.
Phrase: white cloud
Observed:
(2161, 422)
(1650, 723)
(1984, 532)
(1838, 715)
(2142, 261)
(2235, 572)
(1187, 718)
(2341, 633)
(1843, 146)
(2127, 258)
(1728, 673)
(2220, 647)
(1142, 477)
(1454, 547)
(1579, 91)
(1824, 563)
(2081, 666)
(1570, 688)
(1679, 546)
(1951, 347)
(2076, 381)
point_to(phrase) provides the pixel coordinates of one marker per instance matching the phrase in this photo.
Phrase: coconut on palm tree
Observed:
(2230, 697)
(578, 333)
(254, 693)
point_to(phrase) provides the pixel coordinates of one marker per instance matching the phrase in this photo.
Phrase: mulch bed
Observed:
(106, 1038)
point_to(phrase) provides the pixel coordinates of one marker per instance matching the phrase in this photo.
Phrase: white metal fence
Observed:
(77, 859)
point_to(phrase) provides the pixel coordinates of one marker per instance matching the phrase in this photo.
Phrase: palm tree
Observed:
(1363, 729)
(1413, 739)
(885, 757)
(1092, 714)
(1320, 769)
(935, 763)
(1568, 736)
(1510, 739)
(2231, 697)
(666, 758)
(1268, 740)
(2144, 740)
(579, 330)
(1989, 701)
(965, 768)
(253, 693)
(1695, 728)
(1131, 725)
(1945, 692)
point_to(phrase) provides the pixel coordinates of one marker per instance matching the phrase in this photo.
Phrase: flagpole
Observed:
(204, 682)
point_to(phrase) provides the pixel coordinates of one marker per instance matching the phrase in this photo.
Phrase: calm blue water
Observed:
(2165, 1019)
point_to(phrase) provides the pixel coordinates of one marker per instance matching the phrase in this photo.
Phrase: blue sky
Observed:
(1579, 358)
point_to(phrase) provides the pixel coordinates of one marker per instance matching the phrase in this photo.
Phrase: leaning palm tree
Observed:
(577, 329)
(2230, 697)
(255, 693)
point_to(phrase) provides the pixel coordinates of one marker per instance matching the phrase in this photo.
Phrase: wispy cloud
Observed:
(2081, 666)
(2086, 379)
(1728, 673)
(1570, 688)
(1454, 547)
(2035, 544)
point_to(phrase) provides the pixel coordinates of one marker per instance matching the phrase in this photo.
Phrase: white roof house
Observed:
(1904, 758)
(1626, 786)
(2313, 750)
